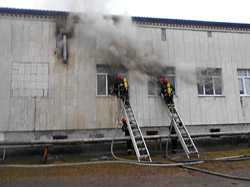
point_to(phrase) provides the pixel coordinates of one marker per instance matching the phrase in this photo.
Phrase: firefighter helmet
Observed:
(123, 120)
(165, 80)
(120, 77)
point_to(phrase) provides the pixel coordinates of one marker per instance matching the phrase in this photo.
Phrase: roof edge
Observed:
(134, 18)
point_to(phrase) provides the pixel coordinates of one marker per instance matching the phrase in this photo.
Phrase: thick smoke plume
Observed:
(117, 41)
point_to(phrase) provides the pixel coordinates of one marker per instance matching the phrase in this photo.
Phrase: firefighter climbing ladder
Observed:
(182, 133)
(138, 141)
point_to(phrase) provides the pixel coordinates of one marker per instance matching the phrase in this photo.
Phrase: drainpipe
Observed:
(64, 52)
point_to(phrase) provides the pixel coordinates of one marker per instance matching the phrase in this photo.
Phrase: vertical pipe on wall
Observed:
(64, 54)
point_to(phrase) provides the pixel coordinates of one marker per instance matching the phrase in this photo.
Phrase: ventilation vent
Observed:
(150, 133)
(60, 137)
(215, 130)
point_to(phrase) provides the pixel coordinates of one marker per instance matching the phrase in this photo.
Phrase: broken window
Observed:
(154, 85)
(244, 82)
(106, 78)
(209, 81)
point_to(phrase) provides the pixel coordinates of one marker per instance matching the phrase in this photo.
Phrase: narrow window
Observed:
(209, 34)
(244, 82)
(163, 35)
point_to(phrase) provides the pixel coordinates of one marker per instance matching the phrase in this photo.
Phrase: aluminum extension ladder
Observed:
(138, 141)
(182, 132)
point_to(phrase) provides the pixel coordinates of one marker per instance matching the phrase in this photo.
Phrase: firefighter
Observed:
(121, 89)
(125, 129)
(167, 90)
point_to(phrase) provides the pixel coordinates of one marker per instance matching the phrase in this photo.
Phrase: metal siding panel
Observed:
(234, 75)
(171, 48)
(190, 72)
(204, 49)
(5, 72)
(181, 81)
(229, 86)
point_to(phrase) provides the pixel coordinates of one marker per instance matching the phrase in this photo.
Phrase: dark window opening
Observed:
(106, 78)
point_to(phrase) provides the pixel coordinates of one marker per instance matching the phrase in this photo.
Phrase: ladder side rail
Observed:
(187, 131)
(131, 132)
(177, 129)
(167, 109)
(184, 145)
(139, 129)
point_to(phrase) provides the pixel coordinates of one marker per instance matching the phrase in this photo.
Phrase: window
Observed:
(209, 81)
(106, 77)
(244, 82)
(154, 85)
(163, 35)
(209, 34)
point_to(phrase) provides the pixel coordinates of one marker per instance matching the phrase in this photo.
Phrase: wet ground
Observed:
(127, 174)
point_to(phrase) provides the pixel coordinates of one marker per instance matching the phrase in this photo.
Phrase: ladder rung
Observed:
(137, 137)
(133, 127)
(142, 149)
(184, 134)
(135, 130)
(192, 152)
(139, 142)
(144, 156)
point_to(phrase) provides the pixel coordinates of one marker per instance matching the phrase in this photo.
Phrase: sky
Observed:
(236, 11)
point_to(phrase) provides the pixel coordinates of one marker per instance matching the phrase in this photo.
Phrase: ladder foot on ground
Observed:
(138, 141)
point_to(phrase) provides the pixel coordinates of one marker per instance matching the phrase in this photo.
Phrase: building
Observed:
(55, 85)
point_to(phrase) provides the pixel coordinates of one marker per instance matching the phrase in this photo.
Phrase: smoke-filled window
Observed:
(244, 82)
(209, 81)
(163, 35)
(154, 85)
(106, 78)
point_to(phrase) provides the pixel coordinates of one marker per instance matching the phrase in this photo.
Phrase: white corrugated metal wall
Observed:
(72, 101)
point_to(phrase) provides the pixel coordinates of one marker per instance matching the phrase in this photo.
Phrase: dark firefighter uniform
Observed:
(121, 89)
(125, 129)
(168, 92)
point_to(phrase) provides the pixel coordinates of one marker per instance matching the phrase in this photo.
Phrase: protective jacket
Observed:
(124, 127)
(120, 85)
(167, 89)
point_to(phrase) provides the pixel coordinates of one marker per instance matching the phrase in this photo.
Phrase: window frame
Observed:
(106, 81)
(123, 73)
(157, 82)
(213, 77)
(243, 78)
